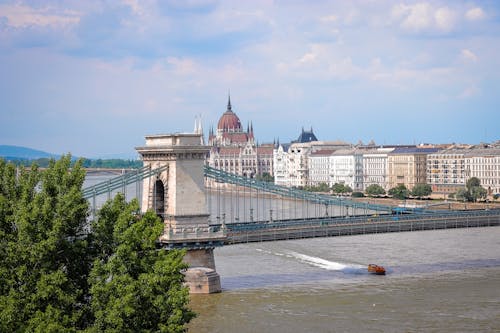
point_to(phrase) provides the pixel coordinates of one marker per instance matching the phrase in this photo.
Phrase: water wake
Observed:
(329, 265)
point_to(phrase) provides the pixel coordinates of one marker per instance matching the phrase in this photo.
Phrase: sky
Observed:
(94, 77)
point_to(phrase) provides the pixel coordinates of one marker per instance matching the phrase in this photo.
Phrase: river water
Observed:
(437, 281)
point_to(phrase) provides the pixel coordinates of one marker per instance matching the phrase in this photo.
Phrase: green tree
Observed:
(421, 190)
(473, 191)
(341, 188)
(399, 192)
(265, 177)
(374, 190)
(472, 182)
(134, 285)
(463, 194)
(477, 193)
(56, 276)
(46, 252)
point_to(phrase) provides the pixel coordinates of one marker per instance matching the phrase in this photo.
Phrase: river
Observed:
(437, 281)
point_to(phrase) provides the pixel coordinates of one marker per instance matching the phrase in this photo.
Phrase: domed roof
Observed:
(229, 120)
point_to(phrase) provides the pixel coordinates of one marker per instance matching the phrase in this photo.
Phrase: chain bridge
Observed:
(204, 207)
(249, 210)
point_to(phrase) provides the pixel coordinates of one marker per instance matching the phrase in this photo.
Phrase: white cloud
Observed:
(445, 19)
(21, 16)
(421, 17)
(475, 14)
(329, 19)
(468, 55)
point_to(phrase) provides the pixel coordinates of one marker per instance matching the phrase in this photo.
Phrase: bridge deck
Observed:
(361, 225)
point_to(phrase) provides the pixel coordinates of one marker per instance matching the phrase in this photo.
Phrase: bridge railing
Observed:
(226, 177)
(326, 221)
(122, 181)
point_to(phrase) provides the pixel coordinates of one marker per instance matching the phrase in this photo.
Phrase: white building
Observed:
(319, 167)
(343, 168)
(375, 167)
(484, 164)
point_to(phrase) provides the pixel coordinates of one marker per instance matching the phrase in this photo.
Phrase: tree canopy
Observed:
(374, 190)
(57, 276)
(472, 191)
(421, 190)
(341, 188)
(399, 192)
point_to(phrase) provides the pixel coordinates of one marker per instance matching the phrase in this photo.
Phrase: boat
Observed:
(376, 269)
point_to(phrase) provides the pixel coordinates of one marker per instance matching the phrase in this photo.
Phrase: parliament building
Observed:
(234, 150)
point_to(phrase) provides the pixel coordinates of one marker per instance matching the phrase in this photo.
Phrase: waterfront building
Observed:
(304, 161)
(343, 168)
(234, 150)
(484, 163)
(375, 167)
(446, 171)
(408, 166)
(319, 167)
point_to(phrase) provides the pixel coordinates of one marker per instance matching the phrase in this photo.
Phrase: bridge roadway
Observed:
(344, 226)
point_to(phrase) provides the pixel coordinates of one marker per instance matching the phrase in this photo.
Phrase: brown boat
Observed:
(375, 269)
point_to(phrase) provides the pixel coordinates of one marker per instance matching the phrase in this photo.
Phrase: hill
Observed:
(23, 153)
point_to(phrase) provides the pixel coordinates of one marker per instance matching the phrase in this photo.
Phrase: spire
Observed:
(229, 101)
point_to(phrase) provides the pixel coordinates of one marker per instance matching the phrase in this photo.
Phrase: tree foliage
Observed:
(472, 191)
(421, 190)
(265, 177)
(374, 190)
(86, 163)
(399, 192)
(134, 286)
(341, 188)
(56, 276)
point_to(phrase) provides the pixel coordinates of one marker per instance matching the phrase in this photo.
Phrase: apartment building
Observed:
(407, 166)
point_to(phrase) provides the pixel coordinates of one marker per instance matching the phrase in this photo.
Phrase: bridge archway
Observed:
(159, 198)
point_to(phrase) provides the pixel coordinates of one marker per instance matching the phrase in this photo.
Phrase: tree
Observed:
(374, 190)
(265, 177)
(46, 261)
(421, 190)
(472, 191)
(472, 182)
(399, 192)
(341, 188)
(134, 285)
(463, 194)
(478, 192)
(55, 274)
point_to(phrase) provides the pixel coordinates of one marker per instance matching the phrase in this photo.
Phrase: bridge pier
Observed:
(178, 195)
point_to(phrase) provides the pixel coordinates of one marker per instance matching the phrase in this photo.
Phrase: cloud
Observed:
(475, 14)
(423, 17)
(468, 55)
(21, 16)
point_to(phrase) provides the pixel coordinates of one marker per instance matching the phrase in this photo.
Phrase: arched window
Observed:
(159, 198)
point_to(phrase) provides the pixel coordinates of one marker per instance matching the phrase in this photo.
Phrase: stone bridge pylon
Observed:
(178, 196)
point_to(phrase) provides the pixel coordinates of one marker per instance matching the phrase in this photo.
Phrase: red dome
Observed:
(229, 121)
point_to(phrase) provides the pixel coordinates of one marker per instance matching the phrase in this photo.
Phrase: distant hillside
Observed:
(27, 156)
(23, 153)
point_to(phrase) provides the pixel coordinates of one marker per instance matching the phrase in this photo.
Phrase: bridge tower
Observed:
(178, 196)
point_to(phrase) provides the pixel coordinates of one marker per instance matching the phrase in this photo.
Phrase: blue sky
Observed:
(93, 77)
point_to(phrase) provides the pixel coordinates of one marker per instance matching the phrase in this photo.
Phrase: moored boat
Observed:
(376, 269)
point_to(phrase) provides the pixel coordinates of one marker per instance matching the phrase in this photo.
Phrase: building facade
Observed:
(408, 166)
(375, 167)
